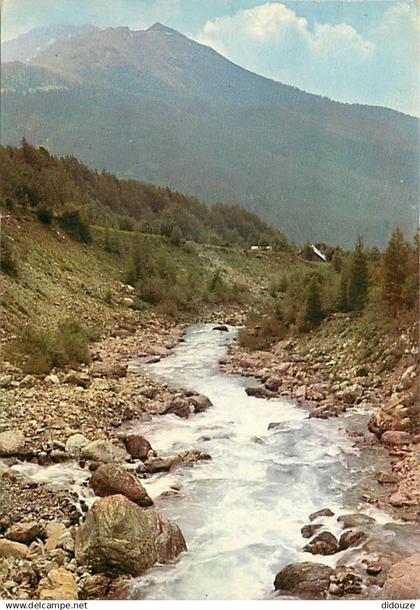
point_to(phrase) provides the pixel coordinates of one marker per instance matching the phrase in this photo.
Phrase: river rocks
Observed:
(76, 378)
(345, 583)
(200, 402)
(355, 520)
(324, 512)
(114, 370)
(5, 381)
(395, 437)
(75, 443)
(137, 446)
(222, 327)
(193, 455)
(15, 550)
(149, 391)
(111, 479)
(162, 464)
(387, 478)
(57, 585)
(305, 580)
(324, 543)
(179, 407)
(12, 442)
(105, 451)
(273, 383)
(24, 532)
(352, 393)
(260, 392)
(54, 531)
(403, 579)
(309, 530)
(118, 537)
(399, 500)
(393, 416)
(95, 586)
(351, 538)
(52, 379)
(300, 392)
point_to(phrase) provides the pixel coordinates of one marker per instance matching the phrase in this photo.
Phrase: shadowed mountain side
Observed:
(158, 106)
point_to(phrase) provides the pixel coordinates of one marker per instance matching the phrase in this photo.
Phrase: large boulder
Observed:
(76, 442)
(305, 580)
(179, 407)
(201, 403)
(12, 442)
(395, 437)
(111, 479)
(137, 446)
(24, 531)
(118, 537)
(403, 579)
(351, 538)
(260, 392)
(11, 549)
(324, 543)
(355, 520)
(58, 584)
(309, 530)
(323, 512)
(105, 451)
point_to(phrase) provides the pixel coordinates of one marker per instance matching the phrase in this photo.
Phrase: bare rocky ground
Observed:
(53, 547)
(330, 372)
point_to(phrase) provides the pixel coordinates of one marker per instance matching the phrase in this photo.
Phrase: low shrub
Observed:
(39, 351)
(75, 225)
(8, 262)
(45, 215)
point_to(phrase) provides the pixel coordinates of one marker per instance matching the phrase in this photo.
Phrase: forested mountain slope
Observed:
(158, 106)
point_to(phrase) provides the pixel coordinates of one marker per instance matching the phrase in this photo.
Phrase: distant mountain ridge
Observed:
(160, 107)
(27, 46)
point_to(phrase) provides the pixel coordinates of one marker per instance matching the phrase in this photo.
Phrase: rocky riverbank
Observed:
(54, 546)
(51, 545)
(330, 372)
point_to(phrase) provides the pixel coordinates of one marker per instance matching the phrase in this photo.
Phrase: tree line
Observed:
(64, 190)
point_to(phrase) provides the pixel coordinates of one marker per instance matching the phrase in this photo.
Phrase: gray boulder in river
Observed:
(118, 537)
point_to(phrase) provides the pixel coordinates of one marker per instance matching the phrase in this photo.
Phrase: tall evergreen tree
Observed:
(313, 307)
(358, 282)
(343, 302)
(395, 269)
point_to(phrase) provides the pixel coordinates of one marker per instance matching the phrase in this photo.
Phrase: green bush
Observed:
(45, 215)
(75, 225)
(126, 223)
(261, 333)
(42, 350)
(8, 262)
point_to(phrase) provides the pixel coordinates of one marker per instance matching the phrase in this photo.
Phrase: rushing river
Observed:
(242, 512)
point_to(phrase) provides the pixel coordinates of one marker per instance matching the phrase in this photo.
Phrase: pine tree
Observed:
(395, 270)
(343, 303)
(358, 282)
(313, 307)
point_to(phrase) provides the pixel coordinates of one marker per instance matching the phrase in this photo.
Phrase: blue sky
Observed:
(355, 51)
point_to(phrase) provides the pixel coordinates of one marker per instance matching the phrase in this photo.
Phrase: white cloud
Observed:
(340, 39)
(278, 25)
(336, 60)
